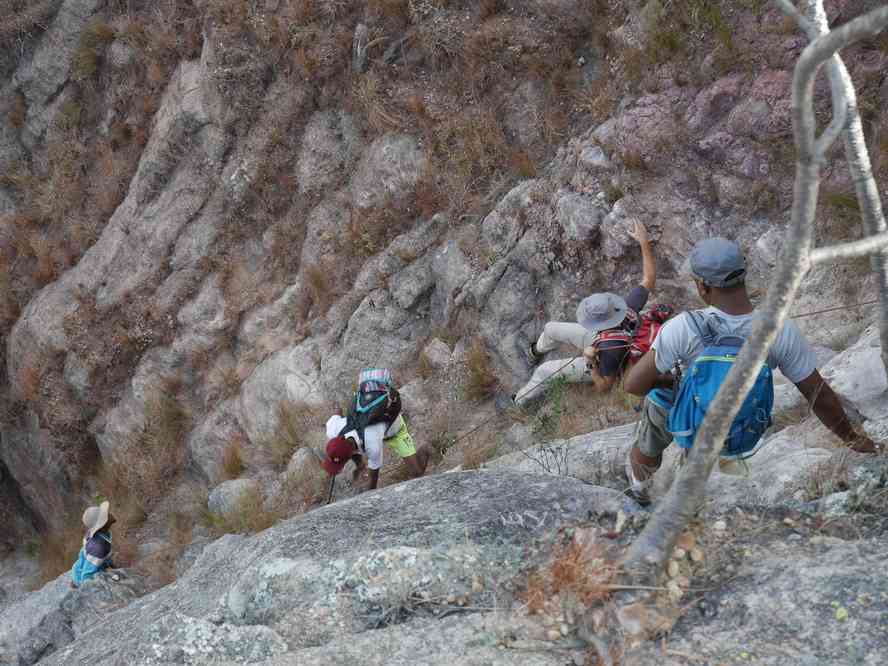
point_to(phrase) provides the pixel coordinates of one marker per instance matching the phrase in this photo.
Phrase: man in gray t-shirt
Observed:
(719, 271)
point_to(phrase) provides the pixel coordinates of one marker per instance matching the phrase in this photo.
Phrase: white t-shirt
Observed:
(679, 341)
(373, 436)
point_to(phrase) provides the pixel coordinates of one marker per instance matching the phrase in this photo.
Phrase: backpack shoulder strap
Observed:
(700, 323)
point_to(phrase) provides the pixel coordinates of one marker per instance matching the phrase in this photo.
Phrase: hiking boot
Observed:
(635, 489)
(528, 350)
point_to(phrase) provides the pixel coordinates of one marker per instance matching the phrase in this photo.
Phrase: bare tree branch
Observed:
(862, 247)
(654, 545)
(861, 172)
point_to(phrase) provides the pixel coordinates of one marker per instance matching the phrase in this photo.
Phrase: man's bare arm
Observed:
(643, 376)
(828, 408)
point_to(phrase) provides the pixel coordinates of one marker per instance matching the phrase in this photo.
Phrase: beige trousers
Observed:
(554, 334)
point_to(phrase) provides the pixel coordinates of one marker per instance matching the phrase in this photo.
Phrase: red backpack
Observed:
(638, 332)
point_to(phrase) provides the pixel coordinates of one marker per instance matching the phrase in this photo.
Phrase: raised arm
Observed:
(648, 263)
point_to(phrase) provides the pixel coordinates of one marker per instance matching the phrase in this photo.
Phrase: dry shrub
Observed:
(843, 217)
(424, 367)
(479, 449)
(303, 489)
(18, 110)
(439, 36)
(429, 193)
(521, 164)
(828, 477)
(393, 9)
(370, 99)
(487, 8)
(598, 99)
(633, 159)
(248, 516)
(29, 379)
(585, 410)
(148, 461)
(44, 253)
(294, 421)
(579, 571)
(58, 550)
(232, 460)
(93, 40)
(472, 144)
(481, 382)
(9, 309)
(319, 281)
(226, 380)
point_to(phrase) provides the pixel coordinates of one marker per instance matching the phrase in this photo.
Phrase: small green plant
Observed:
(547, 420)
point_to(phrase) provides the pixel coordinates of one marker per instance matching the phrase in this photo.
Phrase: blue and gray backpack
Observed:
(700, 385)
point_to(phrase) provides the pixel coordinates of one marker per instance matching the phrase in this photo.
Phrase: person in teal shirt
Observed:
(95, 555)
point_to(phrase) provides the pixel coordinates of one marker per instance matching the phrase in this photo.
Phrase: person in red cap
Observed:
(373, 419)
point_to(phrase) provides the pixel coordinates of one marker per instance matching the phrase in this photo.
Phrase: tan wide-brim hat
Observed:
(95, 517)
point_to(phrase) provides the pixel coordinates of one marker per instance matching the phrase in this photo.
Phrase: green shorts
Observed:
(402, 443)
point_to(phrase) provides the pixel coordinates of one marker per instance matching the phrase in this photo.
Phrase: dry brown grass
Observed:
(57, 552)
(23, 20)
(584, 410)
(29, 379)
(472, 144)
(232, 461)
(146, 464)
(320, 284)
(9, 308)
(479, 448)
(248, 516)
(17, 111)
(378, 111)
(87, 57)
(393, 9)
(294, 421)
(580, 570)
(481, 382)
(826, 478)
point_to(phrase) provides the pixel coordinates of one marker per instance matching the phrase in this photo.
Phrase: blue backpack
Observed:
(702, 381)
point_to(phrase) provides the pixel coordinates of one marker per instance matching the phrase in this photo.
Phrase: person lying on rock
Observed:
(374, 418)
(95, 555)
(700, 347)
(604, 332)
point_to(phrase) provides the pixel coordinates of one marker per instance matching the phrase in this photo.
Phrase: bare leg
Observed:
(417, 462)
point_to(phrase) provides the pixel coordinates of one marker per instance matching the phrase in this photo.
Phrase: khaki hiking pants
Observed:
(651, 435)
(554, 334)
(652, 438)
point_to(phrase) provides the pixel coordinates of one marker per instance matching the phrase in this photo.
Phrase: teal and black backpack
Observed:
(700, 385)
(375, 402)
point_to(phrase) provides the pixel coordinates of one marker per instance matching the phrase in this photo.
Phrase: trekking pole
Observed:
(330, 494)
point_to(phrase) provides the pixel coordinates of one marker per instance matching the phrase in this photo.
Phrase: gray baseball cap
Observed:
(600, 312)
(718, 262)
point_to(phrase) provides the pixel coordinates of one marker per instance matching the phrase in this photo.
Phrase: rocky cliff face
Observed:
(213, 214)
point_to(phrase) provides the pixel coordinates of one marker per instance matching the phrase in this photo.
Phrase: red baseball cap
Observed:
(339, 451)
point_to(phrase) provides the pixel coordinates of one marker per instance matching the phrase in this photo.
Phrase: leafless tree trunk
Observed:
(654, 545)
